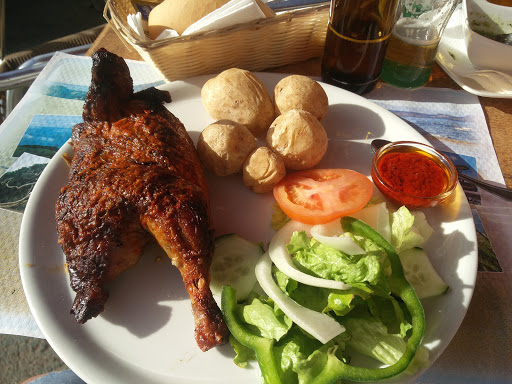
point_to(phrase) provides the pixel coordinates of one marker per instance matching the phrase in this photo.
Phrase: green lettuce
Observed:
(279, 218)
(408, 230)
(243, 353)
(371, 338)
(369, 270)
(271, 322)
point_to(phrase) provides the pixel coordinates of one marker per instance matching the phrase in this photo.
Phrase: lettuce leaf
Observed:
(271, 322)
(409, 230)
(323, 261)
(243, 354)
(371, 338)
(279, 218)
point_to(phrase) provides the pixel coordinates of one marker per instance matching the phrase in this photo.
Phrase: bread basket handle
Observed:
(106, 15)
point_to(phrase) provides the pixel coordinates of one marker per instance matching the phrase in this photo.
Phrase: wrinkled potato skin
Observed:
(223, 147)
(299, 138)
(262, 170)
(238, 95)
(300, 92)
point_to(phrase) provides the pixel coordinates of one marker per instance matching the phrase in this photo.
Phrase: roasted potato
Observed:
(299, 138)
(300, 92)
(238, 95)
(262, 170)
(223, 147)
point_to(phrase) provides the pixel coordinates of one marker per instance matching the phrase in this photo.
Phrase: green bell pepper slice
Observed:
(263, 347)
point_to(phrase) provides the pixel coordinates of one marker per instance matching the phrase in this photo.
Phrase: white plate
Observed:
(145, 334)
(452, 56)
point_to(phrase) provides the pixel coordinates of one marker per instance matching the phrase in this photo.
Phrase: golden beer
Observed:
(413, 44)
(410, 56)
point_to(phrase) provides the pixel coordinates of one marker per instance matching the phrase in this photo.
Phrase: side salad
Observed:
(323, 292)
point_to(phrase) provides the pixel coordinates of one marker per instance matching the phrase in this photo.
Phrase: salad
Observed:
(323, 295)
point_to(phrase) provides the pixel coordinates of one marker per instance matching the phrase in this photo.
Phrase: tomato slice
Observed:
(319, 196)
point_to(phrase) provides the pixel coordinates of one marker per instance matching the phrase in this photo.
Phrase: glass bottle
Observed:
(356, 41)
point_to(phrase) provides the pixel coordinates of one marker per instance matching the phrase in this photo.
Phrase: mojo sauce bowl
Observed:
(413, 174)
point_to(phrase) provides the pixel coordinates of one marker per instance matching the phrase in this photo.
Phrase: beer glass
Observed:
(412, 47)
(356, 40)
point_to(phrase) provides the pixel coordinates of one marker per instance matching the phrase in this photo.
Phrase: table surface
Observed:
(481, 351)
(498, 112)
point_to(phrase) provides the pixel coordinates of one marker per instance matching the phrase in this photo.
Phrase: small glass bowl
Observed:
(402, 198)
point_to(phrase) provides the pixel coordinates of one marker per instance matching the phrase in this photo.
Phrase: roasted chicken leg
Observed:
(135, 175)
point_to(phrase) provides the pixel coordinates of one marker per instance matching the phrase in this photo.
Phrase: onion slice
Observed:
(319, 325)
(283, 261)
(377, 217)
(329, 234)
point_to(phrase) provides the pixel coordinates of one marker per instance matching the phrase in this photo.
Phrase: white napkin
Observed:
(135, 23)
(231, 13)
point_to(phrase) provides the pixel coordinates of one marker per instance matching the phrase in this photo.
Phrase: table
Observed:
(482, 349)
(498, 112)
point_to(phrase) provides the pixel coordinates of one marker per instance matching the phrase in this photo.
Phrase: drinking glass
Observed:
(412, 47)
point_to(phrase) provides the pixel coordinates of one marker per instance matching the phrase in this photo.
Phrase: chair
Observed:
(18, 70)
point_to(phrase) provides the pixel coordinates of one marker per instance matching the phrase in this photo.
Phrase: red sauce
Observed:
(412, 173)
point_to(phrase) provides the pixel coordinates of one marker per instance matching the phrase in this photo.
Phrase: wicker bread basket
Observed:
(288, 37)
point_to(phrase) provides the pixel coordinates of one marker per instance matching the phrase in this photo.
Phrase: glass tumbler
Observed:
(412, 47)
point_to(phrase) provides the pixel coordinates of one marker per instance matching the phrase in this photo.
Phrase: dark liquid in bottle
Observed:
(356, 43)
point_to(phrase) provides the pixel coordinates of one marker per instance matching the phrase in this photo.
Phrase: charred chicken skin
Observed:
(135, 176)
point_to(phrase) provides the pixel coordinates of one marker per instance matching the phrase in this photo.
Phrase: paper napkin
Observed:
(231, 13)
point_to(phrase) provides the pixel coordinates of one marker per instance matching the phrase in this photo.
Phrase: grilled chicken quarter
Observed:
(135, 176)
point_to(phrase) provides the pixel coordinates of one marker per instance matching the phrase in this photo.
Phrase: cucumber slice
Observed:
(420, 273)
(233, 264)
